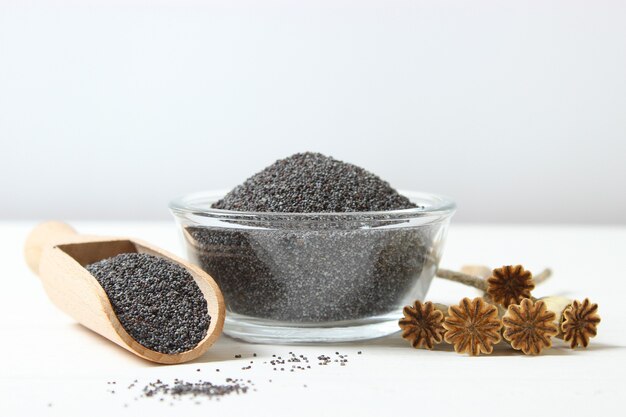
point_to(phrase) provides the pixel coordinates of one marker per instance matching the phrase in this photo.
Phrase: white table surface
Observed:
(52, 366)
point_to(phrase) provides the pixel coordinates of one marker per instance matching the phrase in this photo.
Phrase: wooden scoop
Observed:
(58, 255)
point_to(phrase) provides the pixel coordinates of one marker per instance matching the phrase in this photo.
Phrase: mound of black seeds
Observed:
(156, 300)
(321, 267)
(304, 275)
(313, 183)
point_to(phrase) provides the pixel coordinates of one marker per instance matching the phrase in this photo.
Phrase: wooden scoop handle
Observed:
(42, 236)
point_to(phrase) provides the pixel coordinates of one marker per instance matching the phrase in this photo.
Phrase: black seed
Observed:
(286, 266)
(156, 300)
(199, 389)
(313, 183)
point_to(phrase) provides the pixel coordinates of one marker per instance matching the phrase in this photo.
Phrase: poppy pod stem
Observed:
(507, 285)
(557, 305)
(463, 278)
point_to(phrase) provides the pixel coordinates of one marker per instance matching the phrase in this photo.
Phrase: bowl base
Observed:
(255, 330)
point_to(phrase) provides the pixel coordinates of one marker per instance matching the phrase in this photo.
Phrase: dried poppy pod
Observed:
(484, 272)
(577, 321)
(422, 324)
(529, 326)
(510, 285)
(506, 285)
(473, 326)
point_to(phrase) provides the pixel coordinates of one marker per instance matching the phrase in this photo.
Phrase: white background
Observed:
(108, 109)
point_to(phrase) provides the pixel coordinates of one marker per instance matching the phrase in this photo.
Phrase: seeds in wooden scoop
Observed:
(156, 300)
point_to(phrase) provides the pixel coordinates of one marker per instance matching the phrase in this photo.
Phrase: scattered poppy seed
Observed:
(198, 389)
(179, 388)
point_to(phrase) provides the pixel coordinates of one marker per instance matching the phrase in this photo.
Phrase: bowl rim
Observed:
(439, 205)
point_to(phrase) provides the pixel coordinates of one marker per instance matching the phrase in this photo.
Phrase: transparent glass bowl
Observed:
(315, 277)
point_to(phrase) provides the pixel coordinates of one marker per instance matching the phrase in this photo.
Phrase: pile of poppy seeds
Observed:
(313, 183)
(156, 300)
(319, 253)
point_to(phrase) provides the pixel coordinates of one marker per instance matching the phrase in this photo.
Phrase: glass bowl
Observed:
(315, 277)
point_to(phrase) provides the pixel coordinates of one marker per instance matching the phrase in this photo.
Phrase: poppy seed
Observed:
(156, 300)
